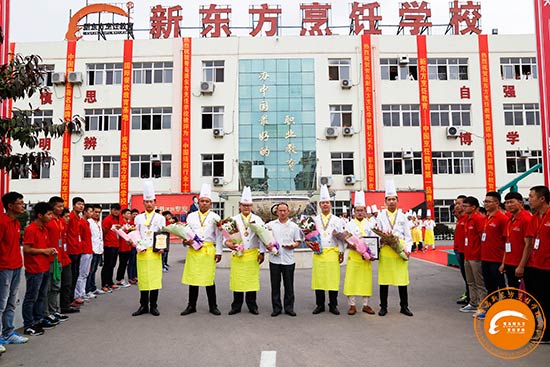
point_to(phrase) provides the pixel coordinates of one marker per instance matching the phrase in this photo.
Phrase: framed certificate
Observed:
(374, 246)
(161, 241)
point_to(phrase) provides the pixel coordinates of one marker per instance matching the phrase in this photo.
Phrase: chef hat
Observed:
(148, 190)
(369, 211)
(428, 213)
(246, 197)
(359, 198)
(419, 213)
(324, 195)
(374, 208)
(390, 188)
(206, 191)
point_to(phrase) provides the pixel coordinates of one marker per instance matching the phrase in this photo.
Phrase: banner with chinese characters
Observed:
(487, 112)
(125, 121)
(369, 112)
(67, 116)
(425, 125)
(186, 117)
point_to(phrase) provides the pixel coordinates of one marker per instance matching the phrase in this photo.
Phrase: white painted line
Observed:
(268, 358)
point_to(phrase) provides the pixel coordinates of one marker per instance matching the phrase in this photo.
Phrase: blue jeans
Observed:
(90, 282)
(9, 285)
(35, 298)
(132, 265)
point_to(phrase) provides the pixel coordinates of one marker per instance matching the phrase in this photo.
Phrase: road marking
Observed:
(268, 358)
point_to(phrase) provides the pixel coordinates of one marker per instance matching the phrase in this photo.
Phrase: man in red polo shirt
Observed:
(111, 244)
(74, 245)
(516, 228)
(460, 235)
(86, 257)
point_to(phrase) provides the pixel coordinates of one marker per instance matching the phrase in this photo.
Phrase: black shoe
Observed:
(334, 310)
(291, 313)
(383, 311)
(187, 311)
(155, 311)
(141, 310)
(462, 302)
(215, 311)
(233, 311)
(70, 309)
(405, 311)
(275, 313)
(254, 311)
(318, 310)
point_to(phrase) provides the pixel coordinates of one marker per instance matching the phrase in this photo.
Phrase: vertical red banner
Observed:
(425, 123)
(67, 116)
(487, 112)
(369, 112)
(125, 122)
(186, 117)
(542, 19)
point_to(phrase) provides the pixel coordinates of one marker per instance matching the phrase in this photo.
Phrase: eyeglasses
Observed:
(488, 201)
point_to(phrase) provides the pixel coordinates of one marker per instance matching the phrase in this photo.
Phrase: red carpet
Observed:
(438, 256)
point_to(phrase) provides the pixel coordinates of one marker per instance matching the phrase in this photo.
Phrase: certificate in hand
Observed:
(374, 245)
(161, 241)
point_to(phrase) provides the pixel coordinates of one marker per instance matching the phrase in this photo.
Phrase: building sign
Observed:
(186, 117)
(91, 96)
(365, 18)
(465, 16)
(265, 18)
(512, 137)
(509, 91)
(90, 143)
(165, 21)
(45, 96)
(415, 16)
(101, 29)
(125, 121)
(67, 116)
(45, 143)
(368, 102)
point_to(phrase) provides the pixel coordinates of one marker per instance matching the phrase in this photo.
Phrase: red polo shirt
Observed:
(474, 229)
(86, 236)
(74, 245)
(539, 228)
(492, 249)
(110, 238)
(56, 233)
(516, 227)
(460, 233)
(36, 237)
(10, 251)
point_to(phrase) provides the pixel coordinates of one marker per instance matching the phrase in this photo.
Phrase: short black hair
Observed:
(542, 191)
(282, 203)
(452, 207)
(135, 211)
(65, 211)
(88, 206)
(470, 200)
(166, 212)
(115, 206)
(55, 199)
(125, 210)
(513, 195)
(461, 197)
(494, 194)
(41, 208)
(10, 198)
(97, 206)
(77, 199)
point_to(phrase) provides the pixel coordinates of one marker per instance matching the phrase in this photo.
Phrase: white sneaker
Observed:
(91, 295)
(2, 348)
(99, 291)
(468, 308)
(123, 284)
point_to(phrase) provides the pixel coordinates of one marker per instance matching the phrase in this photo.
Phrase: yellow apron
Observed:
(325, 272)
(429, 238)
(149, 269)
(392, 269)
(244, 275)
(358, 281)
(416, 234)
(200, 266)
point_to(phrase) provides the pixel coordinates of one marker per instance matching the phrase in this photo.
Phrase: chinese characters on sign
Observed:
(291, 147)
(186, 117)
(264, 119)
(90, 142)
(365, 18)
(369, 114)
(467, 13)
(487, 112)
(464, 92)
(90, 96)
(45, 143)
(315, 15)
(125, 122)
(265, 15)
(509, 91)
(212, 21)
(45, 96)
(512, 137)
(164, 20)
(416, 16)
(465, 138)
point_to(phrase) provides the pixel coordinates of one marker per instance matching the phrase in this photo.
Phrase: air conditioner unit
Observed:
(345, 83)
(349, 180)
(525, 153)
(403, 59)
(58, 78)
(408, 154)
(326, 180)
(347, 131)
(331, 132)
(75, 77)
(217, 181)
(207, 87)
(452, 132)
(218, 133)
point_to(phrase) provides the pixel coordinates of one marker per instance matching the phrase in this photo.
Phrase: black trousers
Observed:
(536, 284)
(238, 300)
(287, 273)
(123, 258)
(320, 298)
(66, 294)
(460, 259)
(75, 270)
(492, 278)
(149, 298)
(403, 296)
(510, 271)
(109, 263)
(210, 293)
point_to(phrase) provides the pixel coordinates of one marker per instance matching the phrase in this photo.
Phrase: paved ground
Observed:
(105, 334)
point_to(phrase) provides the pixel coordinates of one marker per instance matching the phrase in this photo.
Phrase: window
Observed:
(442, 211)
(401, 115)
(34, 171)
(403, 163)
(212, 165)
(102, 119)
(152, 72)
(340, 115)
(46, 77)
(450, 114)
(104, 74)
(342, 163)
(218, 208)
(521, 114)
(157, 118)
(213, 71)
(391, 69)
(518, 161)
(146, 166)
(338, 207)
(448, 69)
(452, 162)
(212, 117)
(518, 68)
(101, 166)
(339, 69)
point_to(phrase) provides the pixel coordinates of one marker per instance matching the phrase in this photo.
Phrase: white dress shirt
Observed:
(285, 234)
(97, 236)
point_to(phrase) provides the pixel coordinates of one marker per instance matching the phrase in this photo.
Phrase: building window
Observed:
(339, 69)
(146, 166)
(403, 163)
(218, 208)
(401, 115)
(518, 68)
(342, 163)
(448, 163)
(213, 71)
(339, 207)
(104, 74)
(450, 114)
(152, 72)
(102, 119)
(442, 211)
(212, 117)
(46, 77)
(521, 114)
(157, 118)
(101, 166)
(212, 165)
(518, 161)
(340, 115)
(33, 171)
(391, 69)
(448, 69)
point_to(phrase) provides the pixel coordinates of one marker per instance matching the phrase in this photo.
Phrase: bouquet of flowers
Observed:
(230, 231)
(355, 243)
(311, 234)
(389, 239)
(184, 232)
(265, 235)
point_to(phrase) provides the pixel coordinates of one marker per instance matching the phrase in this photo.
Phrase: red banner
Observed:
(174, 203)
(487, 113)
(67, 116)
(125, 122)
(369, 112)
(542, 18)
(186, 117)
(425, 123)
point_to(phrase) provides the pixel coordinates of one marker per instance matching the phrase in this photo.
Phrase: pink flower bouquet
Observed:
(311, 234)
(230, 231)
(185, 232)
(354, 242)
